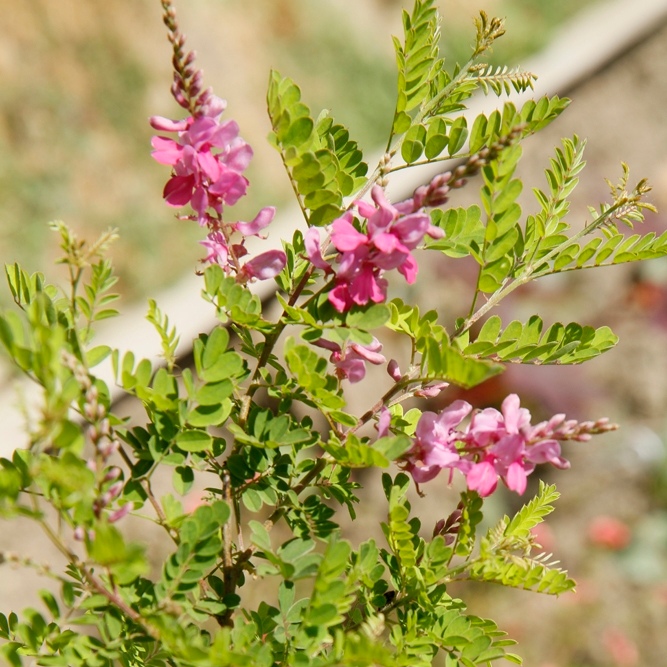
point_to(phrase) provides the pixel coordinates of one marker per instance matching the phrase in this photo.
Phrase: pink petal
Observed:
(394, 370)
(385, 212)
(435, 232)
(423, 474)
(345, 237)
(482, 478)
(384, 420)
(261, 220)
(370, 352)
(455, 413)
(509, 448)
(217, 246)
(311, 240)
(200, 202)
(226, 133)
(515, 416)
(431, 390)
(162, 124)
(239, 156)
(441, 456)
(547, 451)
(409, 269)
(230, 187)
(339, 297)
(516, 478)
(214, 106)
(352, 369)
(387, 243)
(178, 190)
(411, 229)
(267, 265)
(166, 151)
(367, 287)
(208, 165)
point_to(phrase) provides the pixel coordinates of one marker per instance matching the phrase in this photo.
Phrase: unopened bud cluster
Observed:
(449, 527)
(187, 88)
(105, 443)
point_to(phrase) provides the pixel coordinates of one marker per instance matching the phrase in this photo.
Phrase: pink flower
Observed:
(434, 447)
(482, 477)
(207, 159)
(390, 236)
(267, 265)
(312, 242)
(218, 250)
(350, 361)
(509, 451)
(496, 445)
(120, 513)
(394, 370)
(261, 220)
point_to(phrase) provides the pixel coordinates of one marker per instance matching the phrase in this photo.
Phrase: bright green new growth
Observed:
(278, 484)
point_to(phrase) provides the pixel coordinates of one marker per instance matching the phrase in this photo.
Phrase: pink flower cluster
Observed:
(350, 361)
(494, 445)
(385, 242)
(208, 158)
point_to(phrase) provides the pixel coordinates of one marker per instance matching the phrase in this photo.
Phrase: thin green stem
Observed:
(529, 273)
(269, 345)
(399, 392)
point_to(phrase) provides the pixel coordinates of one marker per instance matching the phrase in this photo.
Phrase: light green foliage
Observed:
(436, 357)
(232, 301)
(277, 484)
(528, 343)
(168, 336)
(429, 95)
(324, 164)
(505, 556)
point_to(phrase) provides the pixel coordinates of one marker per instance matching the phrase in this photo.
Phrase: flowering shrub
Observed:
(281, 482)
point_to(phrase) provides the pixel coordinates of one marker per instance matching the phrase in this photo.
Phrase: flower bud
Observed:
(112, 474)
(121, 512)
(114, 491)
(393, 370)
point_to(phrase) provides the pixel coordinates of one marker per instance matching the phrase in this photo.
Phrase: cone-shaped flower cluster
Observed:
(208, 158)
(495, 445)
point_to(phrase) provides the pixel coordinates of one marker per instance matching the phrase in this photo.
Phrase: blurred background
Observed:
(80, 80)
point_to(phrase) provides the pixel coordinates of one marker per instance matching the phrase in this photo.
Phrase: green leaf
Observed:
(97, 355)
(417, 60)
(260, 535)
(464, 230)
(533, 513)
(413, 144)
(369, 317)
(458, 133)
(182, 479)
(194, 440)
(436, 138)
(299, 132)
(444, 362)
(324, 164)
(527, 343)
